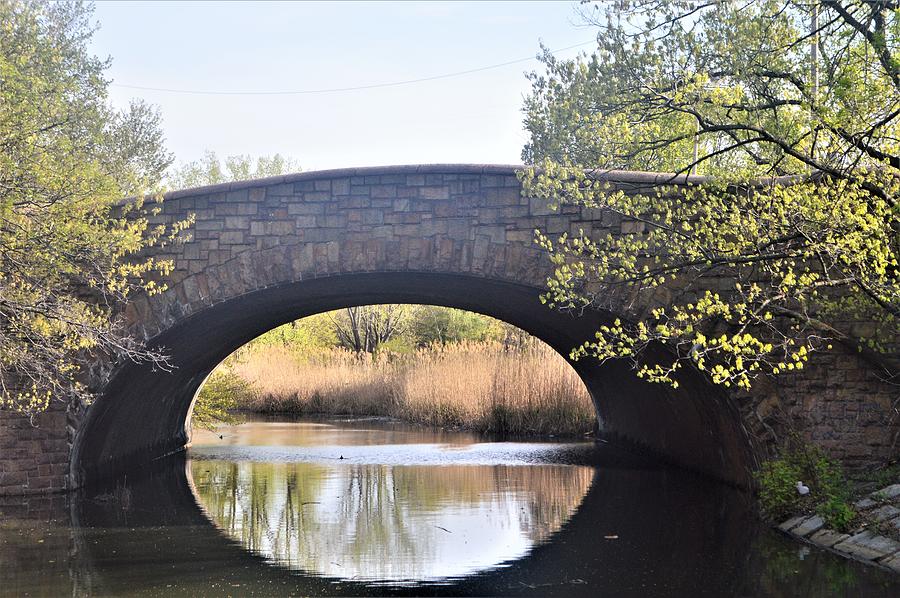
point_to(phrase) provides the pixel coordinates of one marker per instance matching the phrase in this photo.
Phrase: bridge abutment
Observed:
(34, 453)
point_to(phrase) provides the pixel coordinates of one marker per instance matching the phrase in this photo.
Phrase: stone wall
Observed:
(34, 455)
(839, 402)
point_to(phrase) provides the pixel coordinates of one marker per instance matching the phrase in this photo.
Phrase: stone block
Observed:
(520, 236)
(305, 209)
(889, 493)
(317, 196)
(891, 562)
(383, 191)
(243, 195)
(442, 192)
(538, 206)
(886, 512)
(340, 187)
(827, 538)
(808, 526)
(237, 222)
(231, 238)
(865, 503)
(868, 545)
(209, 225)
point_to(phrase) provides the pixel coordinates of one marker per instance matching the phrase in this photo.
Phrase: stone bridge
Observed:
(266, 252)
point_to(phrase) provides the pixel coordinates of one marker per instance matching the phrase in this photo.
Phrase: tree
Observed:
(434, 324)
(363, 329)
(791, 108)
(210, 171)
(68, 250)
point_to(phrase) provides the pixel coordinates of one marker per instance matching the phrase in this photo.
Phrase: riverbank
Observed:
(483, 387)
(875, 539)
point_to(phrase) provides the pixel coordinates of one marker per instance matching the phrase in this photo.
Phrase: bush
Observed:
(778, 494)
(837, 513)
(829, 492)
(218, 396)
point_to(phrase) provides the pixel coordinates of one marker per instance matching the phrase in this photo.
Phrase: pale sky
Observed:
(237, 46)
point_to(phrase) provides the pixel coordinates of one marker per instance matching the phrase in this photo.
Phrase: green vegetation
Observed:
(69, 256)
(875, 479)
(388, 328)
(218, 398)
(736, 91)
(829, 491)
(210, 170)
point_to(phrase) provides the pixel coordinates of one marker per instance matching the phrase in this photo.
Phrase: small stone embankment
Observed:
(874, 542)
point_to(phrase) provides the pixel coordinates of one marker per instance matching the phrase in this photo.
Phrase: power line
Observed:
(343, 89)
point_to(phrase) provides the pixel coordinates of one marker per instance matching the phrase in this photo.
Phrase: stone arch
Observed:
(142, 412)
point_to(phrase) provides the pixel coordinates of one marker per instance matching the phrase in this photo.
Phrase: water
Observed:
(368, 507)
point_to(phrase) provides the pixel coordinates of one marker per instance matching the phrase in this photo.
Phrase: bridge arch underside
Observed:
(141, 414)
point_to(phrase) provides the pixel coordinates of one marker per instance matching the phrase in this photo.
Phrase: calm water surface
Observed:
(368, 507)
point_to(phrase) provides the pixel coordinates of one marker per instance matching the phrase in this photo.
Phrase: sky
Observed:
(284, 46)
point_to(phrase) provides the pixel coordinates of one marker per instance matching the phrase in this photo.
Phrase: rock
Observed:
(896, 523)
(892, 562)
(886, 512)
(792, 522)
(827, 538)
(809, 526)
(868, 545)
(866, 503)
(891, 492)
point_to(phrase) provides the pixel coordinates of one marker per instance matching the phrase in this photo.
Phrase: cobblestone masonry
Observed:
(34, 456)
(466, 221)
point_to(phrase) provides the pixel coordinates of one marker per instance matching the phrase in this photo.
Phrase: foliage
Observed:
(219, 396)
(740, 92)
(311, 332)
(829, 493)
(443, 325)
(393, 328)
(879, 477)
(777, 492)
(209, 170)
(837, 513)
(69, 255)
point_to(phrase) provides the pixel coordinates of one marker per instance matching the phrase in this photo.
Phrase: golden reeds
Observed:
(479, 386)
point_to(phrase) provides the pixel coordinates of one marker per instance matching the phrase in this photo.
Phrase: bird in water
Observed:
(802, 490)
(342, 457)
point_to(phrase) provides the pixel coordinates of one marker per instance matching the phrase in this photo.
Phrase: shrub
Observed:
(837, 513)
(829, 490)
(218, 396)
(778, 494)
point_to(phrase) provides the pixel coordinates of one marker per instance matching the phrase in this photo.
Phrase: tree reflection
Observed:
(389, 522)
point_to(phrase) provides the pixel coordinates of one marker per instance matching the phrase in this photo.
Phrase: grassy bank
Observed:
(479, 386)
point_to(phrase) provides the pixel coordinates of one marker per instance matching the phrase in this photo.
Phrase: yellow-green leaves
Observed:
(736, 278)
(785, 259)
(70, 254)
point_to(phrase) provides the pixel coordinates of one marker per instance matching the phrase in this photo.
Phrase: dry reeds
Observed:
(480, 386)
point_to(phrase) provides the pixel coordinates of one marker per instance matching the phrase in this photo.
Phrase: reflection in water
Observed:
(636, 532)
(389, 522)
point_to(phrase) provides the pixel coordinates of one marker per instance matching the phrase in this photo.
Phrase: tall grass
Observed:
(479, 386)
